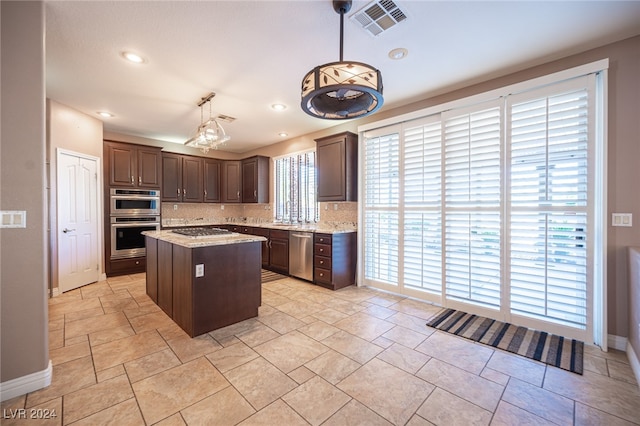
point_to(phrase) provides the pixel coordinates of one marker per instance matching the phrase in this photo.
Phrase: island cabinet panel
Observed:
(228, 291)
(182, 285)
(165, 280)
(152, 268)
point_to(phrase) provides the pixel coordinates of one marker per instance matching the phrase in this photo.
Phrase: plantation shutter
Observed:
(381, 200)
(549, 192)
(295, 187)
(422, 202)
(472, 204)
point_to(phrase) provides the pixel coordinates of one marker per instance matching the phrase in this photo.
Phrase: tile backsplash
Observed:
(332, 214)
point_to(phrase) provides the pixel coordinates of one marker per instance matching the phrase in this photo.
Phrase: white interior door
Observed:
(78, 242)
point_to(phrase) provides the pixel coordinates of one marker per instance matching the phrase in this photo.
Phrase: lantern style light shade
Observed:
(342, 90)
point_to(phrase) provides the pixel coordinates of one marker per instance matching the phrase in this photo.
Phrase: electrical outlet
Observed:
(335, 206)
(221, 206)
(199, 270)
(175, 207)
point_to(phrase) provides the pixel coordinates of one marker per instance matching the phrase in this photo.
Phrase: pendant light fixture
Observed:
(210, 134)
(342, 90)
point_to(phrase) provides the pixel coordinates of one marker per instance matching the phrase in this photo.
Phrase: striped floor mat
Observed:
(268, 276)
(548, 348)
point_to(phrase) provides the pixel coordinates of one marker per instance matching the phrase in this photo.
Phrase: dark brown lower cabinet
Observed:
(228, 292)
(279, 251)
(334, 260)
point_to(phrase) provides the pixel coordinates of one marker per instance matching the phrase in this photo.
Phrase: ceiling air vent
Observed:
(379, 16)
(225, 118)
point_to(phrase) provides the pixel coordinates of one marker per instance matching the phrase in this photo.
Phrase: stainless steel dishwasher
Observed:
(301, 255)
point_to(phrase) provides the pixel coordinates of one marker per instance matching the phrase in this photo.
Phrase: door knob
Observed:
(65, 230)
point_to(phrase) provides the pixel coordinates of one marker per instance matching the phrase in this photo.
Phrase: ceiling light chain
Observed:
(209, 134)
(342, 90)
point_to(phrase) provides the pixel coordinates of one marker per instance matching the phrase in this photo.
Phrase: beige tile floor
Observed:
(352, 357)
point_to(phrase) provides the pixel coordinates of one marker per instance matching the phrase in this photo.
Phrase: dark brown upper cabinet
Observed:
(255, 180)
(182, 178)
(135, 166)
(231, 181)
(337, 167)
(212, 180)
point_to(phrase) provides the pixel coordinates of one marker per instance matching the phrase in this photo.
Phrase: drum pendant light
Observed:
(342, 90)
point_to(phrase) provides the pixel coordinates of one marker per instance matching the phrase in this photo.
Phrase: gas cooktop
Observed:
(197, 232)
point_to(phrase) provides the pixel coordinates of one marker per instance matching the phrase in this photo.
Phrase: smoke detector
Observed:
(379, 16)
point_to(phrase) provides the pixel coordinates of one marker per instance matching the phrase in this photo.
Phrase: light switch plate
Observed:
(199, 270)
(13, 219)
(621, 219)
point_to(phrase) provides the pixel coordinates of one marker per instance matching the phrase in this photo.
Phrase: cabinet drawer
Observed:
(277, 233)
(322, 249)
(322, 262)
(322, 275)
(323, 239)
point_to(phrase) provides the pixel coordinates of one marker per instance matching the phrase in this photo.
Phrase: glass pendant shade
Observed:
(210, 134)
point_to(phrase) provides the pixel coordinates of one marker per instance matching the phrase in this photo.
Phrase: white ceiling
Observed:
(254, 54)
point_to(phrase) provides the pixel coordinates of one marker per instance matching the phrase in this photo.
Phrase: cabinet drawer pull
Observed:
(322, 262)
(322, 274)
(321, 250)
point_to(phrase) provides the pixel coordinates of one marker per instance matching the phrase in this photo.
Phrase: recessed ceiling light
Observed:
(105, 114)
(278, 107)
(398, 53)
(133, 57)
(283, 134)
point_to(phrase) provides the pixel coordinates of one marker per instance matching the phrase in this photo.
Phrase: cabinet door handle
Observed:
(255, 193)
(139, 180)
(238, 194)
(132, 180)
(178, 191)
(205, 192)
(184, 191)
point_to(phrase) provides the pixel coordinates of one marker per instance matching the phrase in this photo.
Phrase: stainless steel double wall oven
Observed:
(132, 211)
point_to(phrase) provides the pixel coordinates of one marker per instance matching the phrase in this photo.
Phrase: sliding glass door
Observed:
(489, 208)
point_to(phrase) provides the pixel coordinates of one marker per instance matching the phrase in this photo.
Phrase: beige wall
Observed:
(71, 130)
(23, 252)
(634, 301)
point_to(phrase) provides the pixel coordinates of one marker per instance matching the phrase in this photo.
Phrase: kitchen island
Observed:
(204, 282)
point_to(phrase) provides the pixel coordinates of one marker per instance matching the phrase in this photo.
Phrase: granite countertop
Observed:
(320, 228)
(194, 242)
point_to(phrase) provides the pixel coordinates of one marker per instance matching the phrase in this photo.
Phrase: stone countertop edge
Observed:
(303, 228)
(195, 242)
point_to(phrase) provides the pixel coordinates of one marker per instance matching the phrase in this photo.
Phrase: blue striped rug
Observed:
(538, 345)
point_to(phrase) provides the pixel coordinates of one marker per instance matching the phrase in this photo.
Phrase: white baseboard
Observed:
(25, 384)
(634, 361)
(617, 342)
